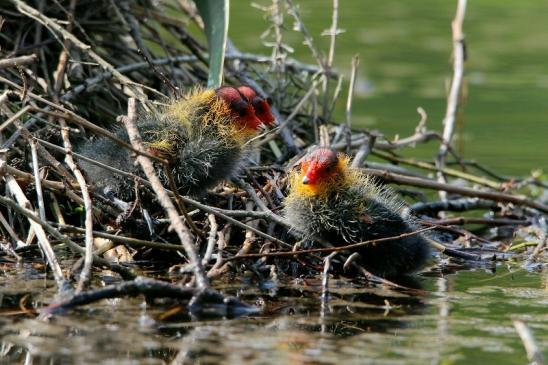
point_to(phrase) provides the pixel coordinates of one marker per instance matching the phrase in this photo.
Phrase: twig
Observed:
(454, 91)
(211, 239)
(332, 33)
(53, 26)
(542, 244)
(325, 287)
(85, 274)
(486, 221)
(451, 252)
(428, 184)
(124, 272)
(351, 85)
(330, 249)
(18, 61)
(88, 208)
(11, 232)
(453, 205)
(293, 10)
(37, 183)
(133, 242)
(446, 171)
(22, 206)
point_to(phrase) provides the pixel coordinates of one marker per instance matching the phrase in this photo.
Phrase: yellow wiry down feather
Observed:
(345, 177)
(200, 110)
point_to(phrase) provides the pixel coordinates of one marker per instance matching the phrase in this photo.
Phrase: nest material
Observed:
(87, 57)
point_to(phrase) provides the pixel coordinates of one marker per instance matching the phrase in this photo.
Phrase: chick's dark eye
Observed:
(239, 107)
(258, 107)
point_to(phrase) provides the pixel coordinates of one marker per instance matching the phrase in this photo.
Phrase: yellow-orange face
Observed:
(241, 108)
(322, 165)
(260, 105)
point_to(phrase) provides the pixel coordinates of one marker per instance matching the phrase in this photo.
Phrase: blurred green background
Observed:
(405, 52)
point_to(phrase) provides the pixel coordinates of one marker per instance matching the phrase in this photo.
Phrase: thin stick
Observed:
(124, 272)
(355, 64)
(446, 171)
(88, 207)
(68, 114)
(211, 238)
(428, 184)
(15, 189)
(18, 61)
(325, 288)
(11, 232)
(54, 27)
(330, 249)
(39, 192)
(133, 242)
(541, 245)
(181, 204)
(454, 91)
(332, 32)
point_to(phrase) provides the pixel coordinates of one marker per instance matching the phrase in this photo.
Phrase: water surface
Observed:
(463, 318)
(405, 50)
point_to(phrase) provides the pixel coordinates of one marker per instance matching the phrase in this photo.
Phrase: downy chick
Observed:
(330, 200)
(202, 136)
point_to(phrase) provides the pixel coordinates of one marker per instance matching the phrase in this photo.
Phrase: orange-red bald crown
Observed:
(240, 106)
(320, 166)
(260, 105)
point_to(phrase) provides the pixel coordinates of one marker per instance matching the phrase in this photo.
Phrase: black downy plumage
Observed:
(339, 204)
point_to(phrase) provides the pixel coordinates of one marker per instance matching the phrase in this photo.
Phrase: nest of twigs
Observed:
(67, 71)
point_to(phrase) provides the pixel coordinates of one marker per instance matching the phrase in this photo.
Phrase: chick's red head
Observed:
(320, 166)
(260, 105)
(240, 106)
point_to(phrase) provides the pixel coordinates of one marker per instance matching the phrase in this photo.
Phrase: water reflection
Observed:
(462, 318)
(405, 54)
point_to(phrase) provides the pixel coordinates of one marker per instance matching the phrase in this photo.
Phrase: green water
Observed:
(463, 318)
(405, 49)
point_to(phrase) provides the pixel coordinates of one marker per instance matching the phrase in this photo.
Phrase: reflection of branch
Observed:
(534, 355)
(221, 306)
(456, 85)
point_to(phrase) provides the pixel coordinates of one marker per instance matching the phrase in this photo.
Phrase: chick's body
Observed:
(201, 136)
(344, 206)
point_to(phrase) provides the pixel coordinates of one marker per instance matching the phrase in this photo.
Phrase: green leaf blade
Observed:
(215, 14)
